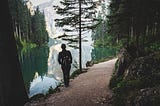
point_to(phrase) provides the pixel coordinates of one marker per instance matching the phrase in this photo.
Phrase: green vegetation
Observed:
(100, 54)
(24, 46)
(129, 24)
(28, 29)
(126, 91)
(136, 28)
(12, 90)
(40, 35)
(33, 61)
(132, 24)
(70, 10)
(99, 34)
(78, 19)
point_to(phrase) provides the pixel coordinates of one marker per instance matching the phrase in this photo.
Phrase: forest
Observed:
(29, 29)
(130, 26)
(134, 26)
(19, 29)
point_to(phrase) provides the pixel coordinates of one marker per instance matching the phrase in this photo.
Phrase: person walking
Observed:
(65, 59)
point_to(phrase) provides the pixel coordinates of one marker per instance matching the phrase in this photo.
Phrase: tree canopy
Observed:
(69, 9)
(132, 23)
(27, 27)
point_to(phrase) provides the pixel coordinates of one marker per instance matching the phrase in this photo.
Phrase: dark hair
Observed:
(63, 46)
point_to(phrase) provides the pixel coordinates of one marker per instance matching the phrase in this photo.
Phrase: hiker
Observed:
(65, 59)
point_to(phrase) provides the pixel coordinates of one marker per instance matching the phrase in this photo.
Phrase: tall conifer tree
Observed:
(78, 18)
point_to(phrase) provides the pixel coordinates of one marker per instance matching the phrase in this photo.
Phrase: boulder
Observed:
(143, 67)
(124, 60)
(148, 97)
(89, 64)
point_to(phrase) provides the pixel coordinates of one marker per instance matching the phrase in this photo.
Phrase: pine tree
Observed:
(78, 18)
(135, 23)
(24, 28)
(40, 35)
(99, 34)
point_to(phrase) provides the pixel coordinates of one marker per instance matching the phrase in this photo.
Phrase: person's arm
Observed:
(70, 55)
(59, 58)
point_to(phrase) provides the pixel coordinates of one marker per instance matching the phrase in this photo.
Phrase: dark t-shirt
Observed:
(65, 58)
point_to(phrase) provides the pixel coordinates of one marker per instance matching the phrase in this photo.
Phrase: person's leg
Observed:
(67, 78)
(68, 75)
(64, 75)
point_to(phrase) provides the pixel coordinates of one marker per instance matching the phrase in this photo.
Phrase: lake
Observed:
(41, 69)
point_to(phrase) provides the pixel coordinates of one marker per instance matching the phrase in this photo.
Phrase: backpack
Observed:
(66, 58)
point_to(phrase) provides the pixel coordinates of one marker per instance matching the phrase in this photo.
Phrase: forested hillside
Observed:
(130, 23)
(131, 26)
(28, 29)
(134, 25)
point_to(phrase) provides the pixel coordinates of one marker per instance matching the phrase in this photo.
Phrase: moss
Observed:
(114, 81)
(128, 89)
(118, 100)
(140, 83)
(156, 100)
(127, 86)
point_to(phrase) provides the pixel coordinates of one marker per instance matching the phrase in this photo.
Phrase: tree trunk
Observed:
(12, 90)
(137, 44)
(19, 32)
(16, 30)
(80, 43)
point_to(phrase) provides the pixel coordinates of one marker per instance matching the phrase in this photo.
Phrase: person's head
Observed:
(63, 46)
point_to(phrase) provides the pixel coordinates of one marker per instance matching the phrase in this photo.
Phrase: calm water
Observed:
(102, 53)
(42, 71)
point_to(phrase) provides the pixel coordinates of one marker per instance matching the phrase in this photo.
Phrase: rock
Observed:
(148, 97)
(124, 60)
(140, 80)
(144, 67)
(89, 64)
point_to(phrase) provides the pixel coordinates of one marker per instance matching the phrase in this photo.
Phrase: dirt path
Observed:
(88, 89)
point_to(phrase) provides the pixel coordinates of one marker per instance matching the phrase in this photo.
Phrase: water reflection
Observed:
(41, 84)
(53, 66)
(34, 64)
(41, 69)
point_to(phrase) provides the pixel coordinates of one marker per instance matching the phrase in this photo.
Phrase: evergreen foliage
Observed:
(130, 23)
(69, 9)
(39, 33)
(27, 28)
(135, 23)
(99, 33)
(78, 18)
